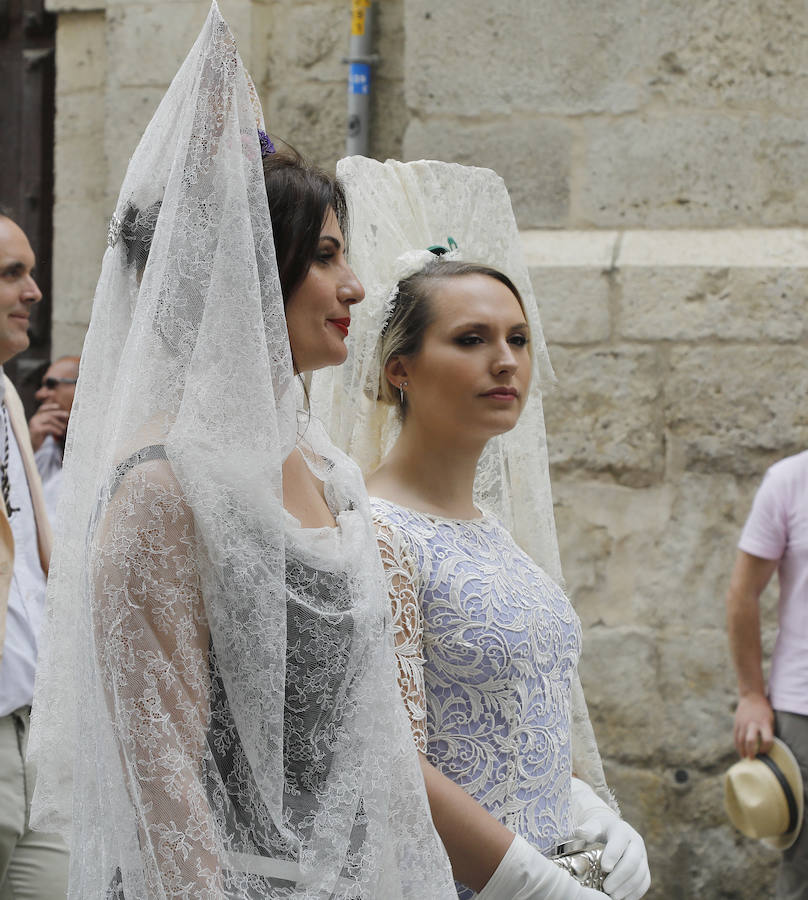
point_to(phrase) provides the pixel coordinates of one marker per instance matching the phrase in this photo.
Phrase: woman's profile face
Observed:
(318, 312)
(471, 376)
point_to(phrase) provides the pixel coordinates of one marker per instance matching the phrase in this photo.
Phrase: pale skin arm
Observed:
(474, 840)
(754, 718)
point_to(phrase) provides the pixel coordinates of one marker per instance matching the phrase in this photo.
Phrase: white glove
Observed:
(524, 874)
(624, 856)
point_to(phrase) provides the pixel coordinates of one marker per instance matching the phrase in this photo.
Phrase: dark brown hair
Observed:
(137, 232)
(300, 197)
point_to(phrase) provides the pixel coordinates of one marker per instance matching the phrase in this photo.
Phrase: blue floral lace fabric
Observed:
(487, 645)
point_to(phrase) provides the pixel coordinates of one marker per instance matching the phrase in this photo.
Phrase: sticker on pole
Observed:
(358, 8)
(359, 78)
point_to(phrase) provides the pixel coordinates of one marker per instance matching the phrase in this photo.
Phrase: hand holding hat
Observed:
(764, 796)
(754, 724)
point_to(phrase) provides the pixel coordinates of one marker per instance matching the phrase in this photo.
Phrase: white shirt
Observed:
(49, 464)
(26, 599)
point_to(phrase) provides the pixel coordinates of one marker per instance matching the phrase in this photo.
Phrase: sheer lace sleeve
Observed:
(152, 640)
(408, 624)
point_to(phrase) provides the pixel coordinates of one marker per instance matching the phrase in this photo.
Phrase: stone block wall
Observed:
(80, 214)
(630, 114)
(682, 374)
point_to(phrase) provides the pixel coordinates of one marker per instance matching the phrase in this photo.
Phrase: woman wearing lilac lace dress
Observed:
(487, 642)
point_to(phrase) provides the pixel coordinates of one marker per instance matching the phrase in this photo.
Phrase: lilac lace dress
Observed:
(487, 646)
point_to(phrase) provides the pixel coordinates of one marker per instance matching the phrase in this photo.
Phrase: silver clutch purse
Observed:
(582, 861)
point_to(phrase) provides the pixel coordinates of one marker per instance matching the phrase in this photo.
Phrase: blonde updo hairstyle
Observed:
(412, 313)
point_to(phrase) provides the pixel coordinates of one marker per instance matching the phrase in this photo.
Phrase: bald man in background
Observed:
(48, 425)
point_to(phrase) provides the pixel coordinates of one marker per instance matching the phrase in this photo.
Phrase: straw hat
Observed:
(764, 796)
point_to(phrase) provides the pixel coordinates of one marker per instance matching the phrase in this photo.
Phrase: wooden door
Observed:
(27, 79)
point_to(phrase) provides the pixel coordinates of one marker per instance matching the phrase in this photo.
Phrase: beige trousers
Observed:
(33, 865)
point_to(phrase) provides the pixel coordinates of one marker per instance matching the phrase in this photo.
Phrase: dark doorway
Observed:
(27, 79)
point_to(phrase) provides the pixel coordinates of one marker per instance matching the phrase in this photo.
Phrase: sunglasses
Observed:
(50, 383)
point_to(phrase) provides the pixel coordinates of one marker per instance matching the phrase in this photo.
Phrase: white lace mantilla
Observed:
(487, 646)
(216, 711)
(397, 209)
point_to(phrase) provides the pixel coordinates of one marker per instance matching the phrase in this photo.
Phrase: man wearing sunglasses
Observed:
(48, 425)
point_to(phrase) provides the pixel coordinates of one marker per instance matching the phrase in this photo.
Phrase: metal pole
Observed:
(359, 59)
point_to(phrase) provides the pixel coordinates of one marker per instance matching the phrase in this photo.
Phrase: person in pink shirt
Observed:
(775, 537)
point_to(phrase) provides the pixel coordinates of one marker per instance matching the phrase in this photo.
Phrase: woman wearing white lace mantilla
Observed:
(216, 711)
(440, 396)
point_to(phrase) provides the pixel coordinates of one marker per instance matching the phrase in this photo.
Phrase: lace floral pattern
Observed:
(216, 712)
(165, 687)
(397, 209)
(153, 637)
(487, 646)
(204, 817)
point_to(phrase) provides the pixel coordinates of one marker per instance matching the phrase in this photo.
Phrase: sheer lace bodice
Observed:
(184, 763)
(147, 592)
(487, 647)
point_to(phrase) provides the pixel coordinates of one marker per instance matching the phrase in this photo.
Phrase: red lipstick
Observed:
(342, 324)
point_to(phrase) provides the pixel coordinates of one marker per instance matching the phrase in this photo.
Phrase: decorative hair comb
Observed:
(439, 250)
(409, 263)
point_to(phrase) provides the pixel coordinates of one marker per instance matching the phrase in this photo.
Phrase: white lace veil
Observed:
(216, 713)
(397, 211)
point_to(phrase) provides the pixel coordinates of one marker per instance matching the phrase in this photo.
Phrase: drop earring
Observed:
(401, 391)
